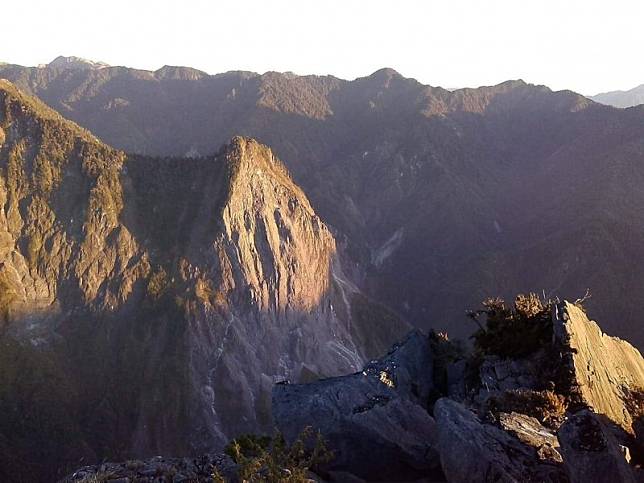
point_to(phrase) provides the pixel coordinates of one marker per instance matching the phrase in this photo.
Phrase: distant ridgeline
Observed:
(438, 197)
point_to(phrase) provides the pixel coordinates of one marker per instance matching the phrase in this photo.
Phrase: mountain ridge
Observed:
(623, 99)
(456, 179)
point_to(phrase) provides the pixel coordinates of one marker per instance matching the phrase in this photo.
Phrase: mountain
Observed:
(75, 63)
(148, 305)
(630, 98)
(438, 198)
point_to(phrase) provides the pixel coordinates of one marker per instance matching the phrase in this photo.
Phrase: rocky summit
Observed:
(397, 420)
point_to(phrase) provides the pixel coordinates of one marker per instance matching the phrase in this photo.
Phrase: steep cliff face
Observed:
(605, 370)
(148, 305)
(60, 200)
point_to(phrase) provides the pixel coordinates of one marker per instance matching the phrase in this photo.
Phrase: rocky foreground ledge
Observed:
(567, 409)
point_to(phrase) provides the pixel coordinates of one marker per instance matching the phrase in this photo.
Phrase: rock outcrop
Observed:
(375, 420)
(159, 469)
(591, 452)
(603, 370)
(472, 451)
(505, 427)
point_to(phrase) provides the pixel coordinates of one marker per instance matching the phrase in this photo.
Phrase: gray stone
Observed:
(590, 451)
(530, 431)
(472, 452)
(375, 420)
(456, 379)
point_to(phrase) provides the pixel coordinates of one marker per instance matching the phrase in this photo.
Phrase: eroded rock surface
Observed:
(472, 451)
(375, 420)
(591, 452)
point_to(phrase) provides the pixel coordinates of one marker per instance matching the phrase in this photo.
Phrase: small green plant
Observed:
(248, 445)
(273, 460)
(217, 477)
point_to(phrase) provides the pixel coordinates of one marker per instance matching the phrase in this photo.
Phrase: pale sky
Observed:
(584, 45)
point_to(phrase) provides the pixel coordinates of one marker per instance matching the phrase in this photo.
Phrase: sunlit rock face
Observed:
(152, 303)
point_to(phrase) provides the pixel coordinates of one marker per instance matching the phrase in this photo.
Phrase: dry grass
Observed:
(546, 406)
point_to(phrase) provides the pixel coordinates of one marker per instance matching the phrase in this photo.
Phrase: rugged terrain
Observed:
(439, 198)
(566, 406)
(148, 305)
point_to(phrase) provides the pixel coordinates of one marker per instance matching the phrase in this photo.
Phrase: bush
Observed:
(272, 460)
(157, 283)
(513, 331)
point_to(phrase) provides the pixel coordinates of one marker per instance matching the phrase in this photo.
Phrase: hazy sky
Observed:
(588, 46)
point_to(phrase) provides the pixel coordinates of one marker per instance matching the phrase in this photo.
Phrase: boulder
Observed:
(471, 451)
(375, 420)
(499, 374)
(530, 431)
(590, 451)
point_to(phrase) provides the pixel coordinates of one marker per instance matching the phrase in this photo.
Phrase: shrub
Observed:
(513, 331)
(272, 460)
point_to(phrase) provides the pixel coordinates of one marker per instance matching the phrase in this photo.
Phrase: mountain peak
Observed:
(385, 73)
(179, 73)
(75, 63)
(247, 157)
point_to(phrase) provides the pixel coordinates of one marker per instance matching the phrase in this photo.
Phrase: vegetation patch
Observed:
(262, 458)
(513, 331)
(157, 283)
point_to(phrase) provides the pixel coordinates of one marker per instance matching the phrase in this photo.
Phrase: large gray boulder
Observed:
(590, 451)
(530, 431)
(375, 420)
(471, 451)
